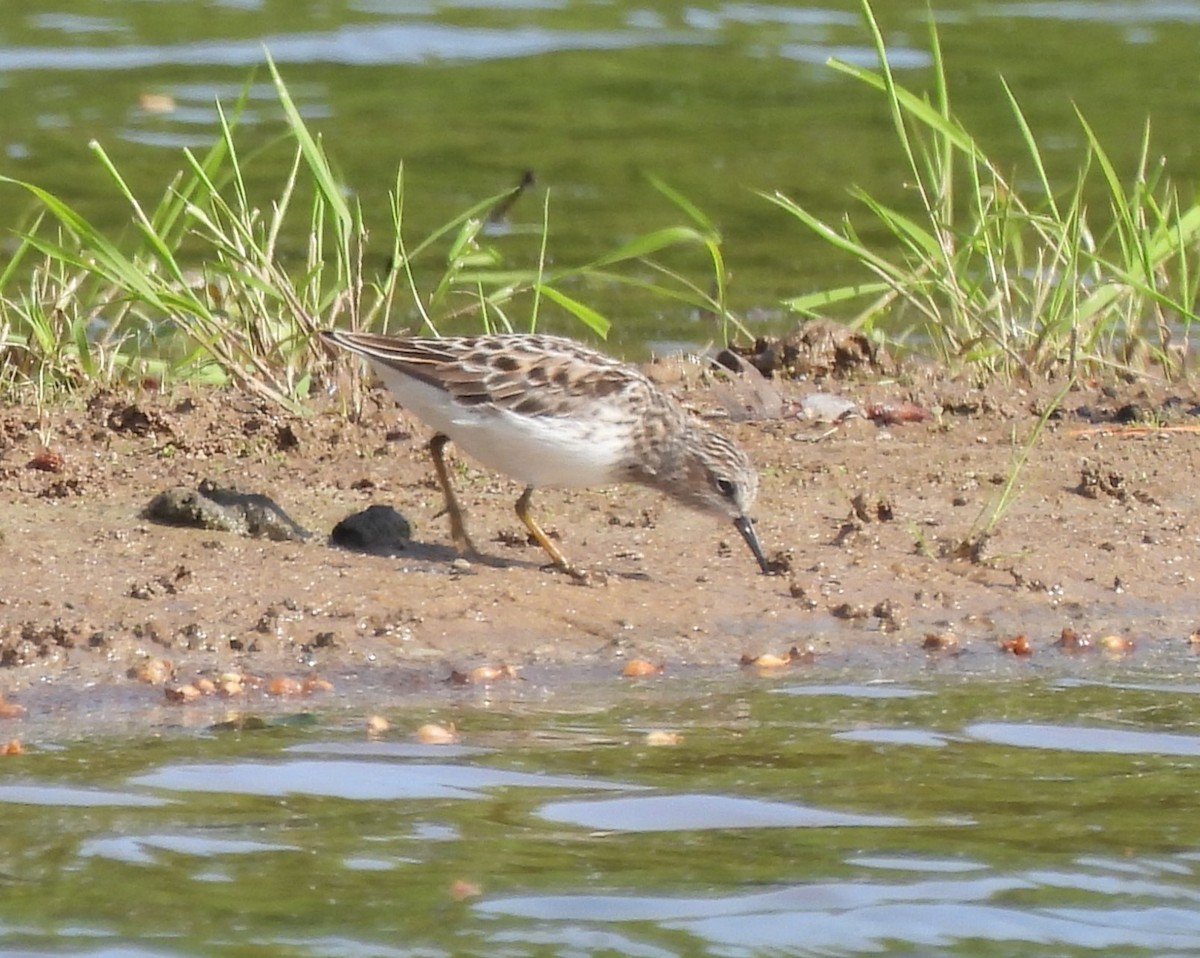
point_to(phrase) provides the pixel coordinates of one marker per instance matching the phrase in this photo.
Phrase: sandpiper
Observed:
(549, 412)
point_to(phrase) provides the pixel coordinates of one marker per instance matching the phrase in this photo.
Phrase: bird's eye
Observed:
(726, 488)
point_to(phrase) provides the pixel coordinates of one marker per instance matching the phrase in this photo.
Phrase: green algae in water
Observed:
(957, 817)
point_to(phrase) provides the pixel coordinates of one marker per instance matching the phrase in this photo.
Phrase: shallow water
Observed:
(939, 816)
(720, 99)
(943, 814)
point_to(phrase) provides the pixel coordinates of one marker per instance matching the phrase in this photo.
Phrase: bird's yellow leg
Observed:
(560, 561)
(458, 529)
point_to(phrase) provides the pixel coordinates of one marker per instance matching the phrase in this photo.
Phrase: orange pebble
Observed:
(1020, 645)
(635, 668)
(182, 694)
(284, 686)
(433, 734)
(377, 725)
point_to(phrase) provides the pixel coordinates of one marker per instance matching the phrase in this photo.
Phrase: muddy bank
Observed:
(879, 524)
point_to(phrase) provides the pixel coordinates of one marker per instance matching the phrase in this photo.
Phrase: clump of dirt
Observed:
(818, 350)
(215, 507)
(867, 519)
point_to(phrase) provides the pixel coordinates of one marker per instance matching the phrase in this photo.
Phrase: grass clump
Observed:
(1006, 282)
(973, 271)
(202, 291)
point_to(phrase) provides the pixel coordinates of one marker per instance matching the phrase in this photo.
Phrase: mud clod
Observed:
(48, 460)
(850, 610)
(169, 584)
(890, 616)
(222, 509)
(1095, 481)
(867, 509)
(819, 349)
(132, 418)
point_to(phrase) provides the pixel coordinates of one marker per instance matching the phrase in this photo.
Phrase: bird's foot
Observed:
(577, 575)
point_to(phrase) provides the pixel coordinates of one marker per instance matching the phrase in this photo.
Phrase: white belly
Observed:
(538, 451)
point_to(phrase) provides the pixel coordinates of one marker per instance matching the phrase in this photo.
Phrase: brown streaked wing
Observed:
(421, 358)
(537, 375)
(532, 375)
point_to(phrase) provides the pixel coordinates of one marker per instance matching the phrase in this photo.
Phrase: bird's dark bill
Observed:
(746, 527)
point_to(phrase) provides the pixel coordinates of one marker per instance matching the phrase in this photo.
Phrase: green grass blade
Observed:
(914, 106)
(584, 313)
(693, 212)
(323, 176)
(1031, 147)
(813, 304)
(650, 243)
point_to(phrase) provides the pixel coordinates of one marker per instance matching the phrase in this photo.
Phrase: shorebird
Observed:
(549, 412)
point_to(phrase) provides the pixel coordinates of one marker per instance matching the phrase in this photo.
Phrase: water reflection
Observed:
(65, 797)
(1101, 11)
(952, 925)
(358, 781)
(865, 691)
(867, 917)
(1075, 738)
(75, 24)
(785, 824)
(140, 849)
(657, 813)
(894, 736)
(900, 57)
(118, 951)
(353, 44)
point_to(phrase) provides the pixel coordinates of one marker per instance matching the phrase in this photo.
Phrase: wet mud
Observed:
(882, 525)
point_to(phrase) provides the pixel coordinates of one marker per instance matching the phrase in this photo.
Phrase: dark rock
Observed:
(378, 530)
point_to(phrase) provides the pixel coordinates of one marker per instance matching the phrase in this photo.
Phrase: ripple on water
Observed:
(375, 44)
(1173, 688)
(879, 691)
(894, 736)
(140, 849)
(917, 863)
(33, 793)
(1101, 11)
(386, 749)
(75, 24)
(116, 951)
(1083, 738)
(363, 781)
(692, 812)
(871, 917)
